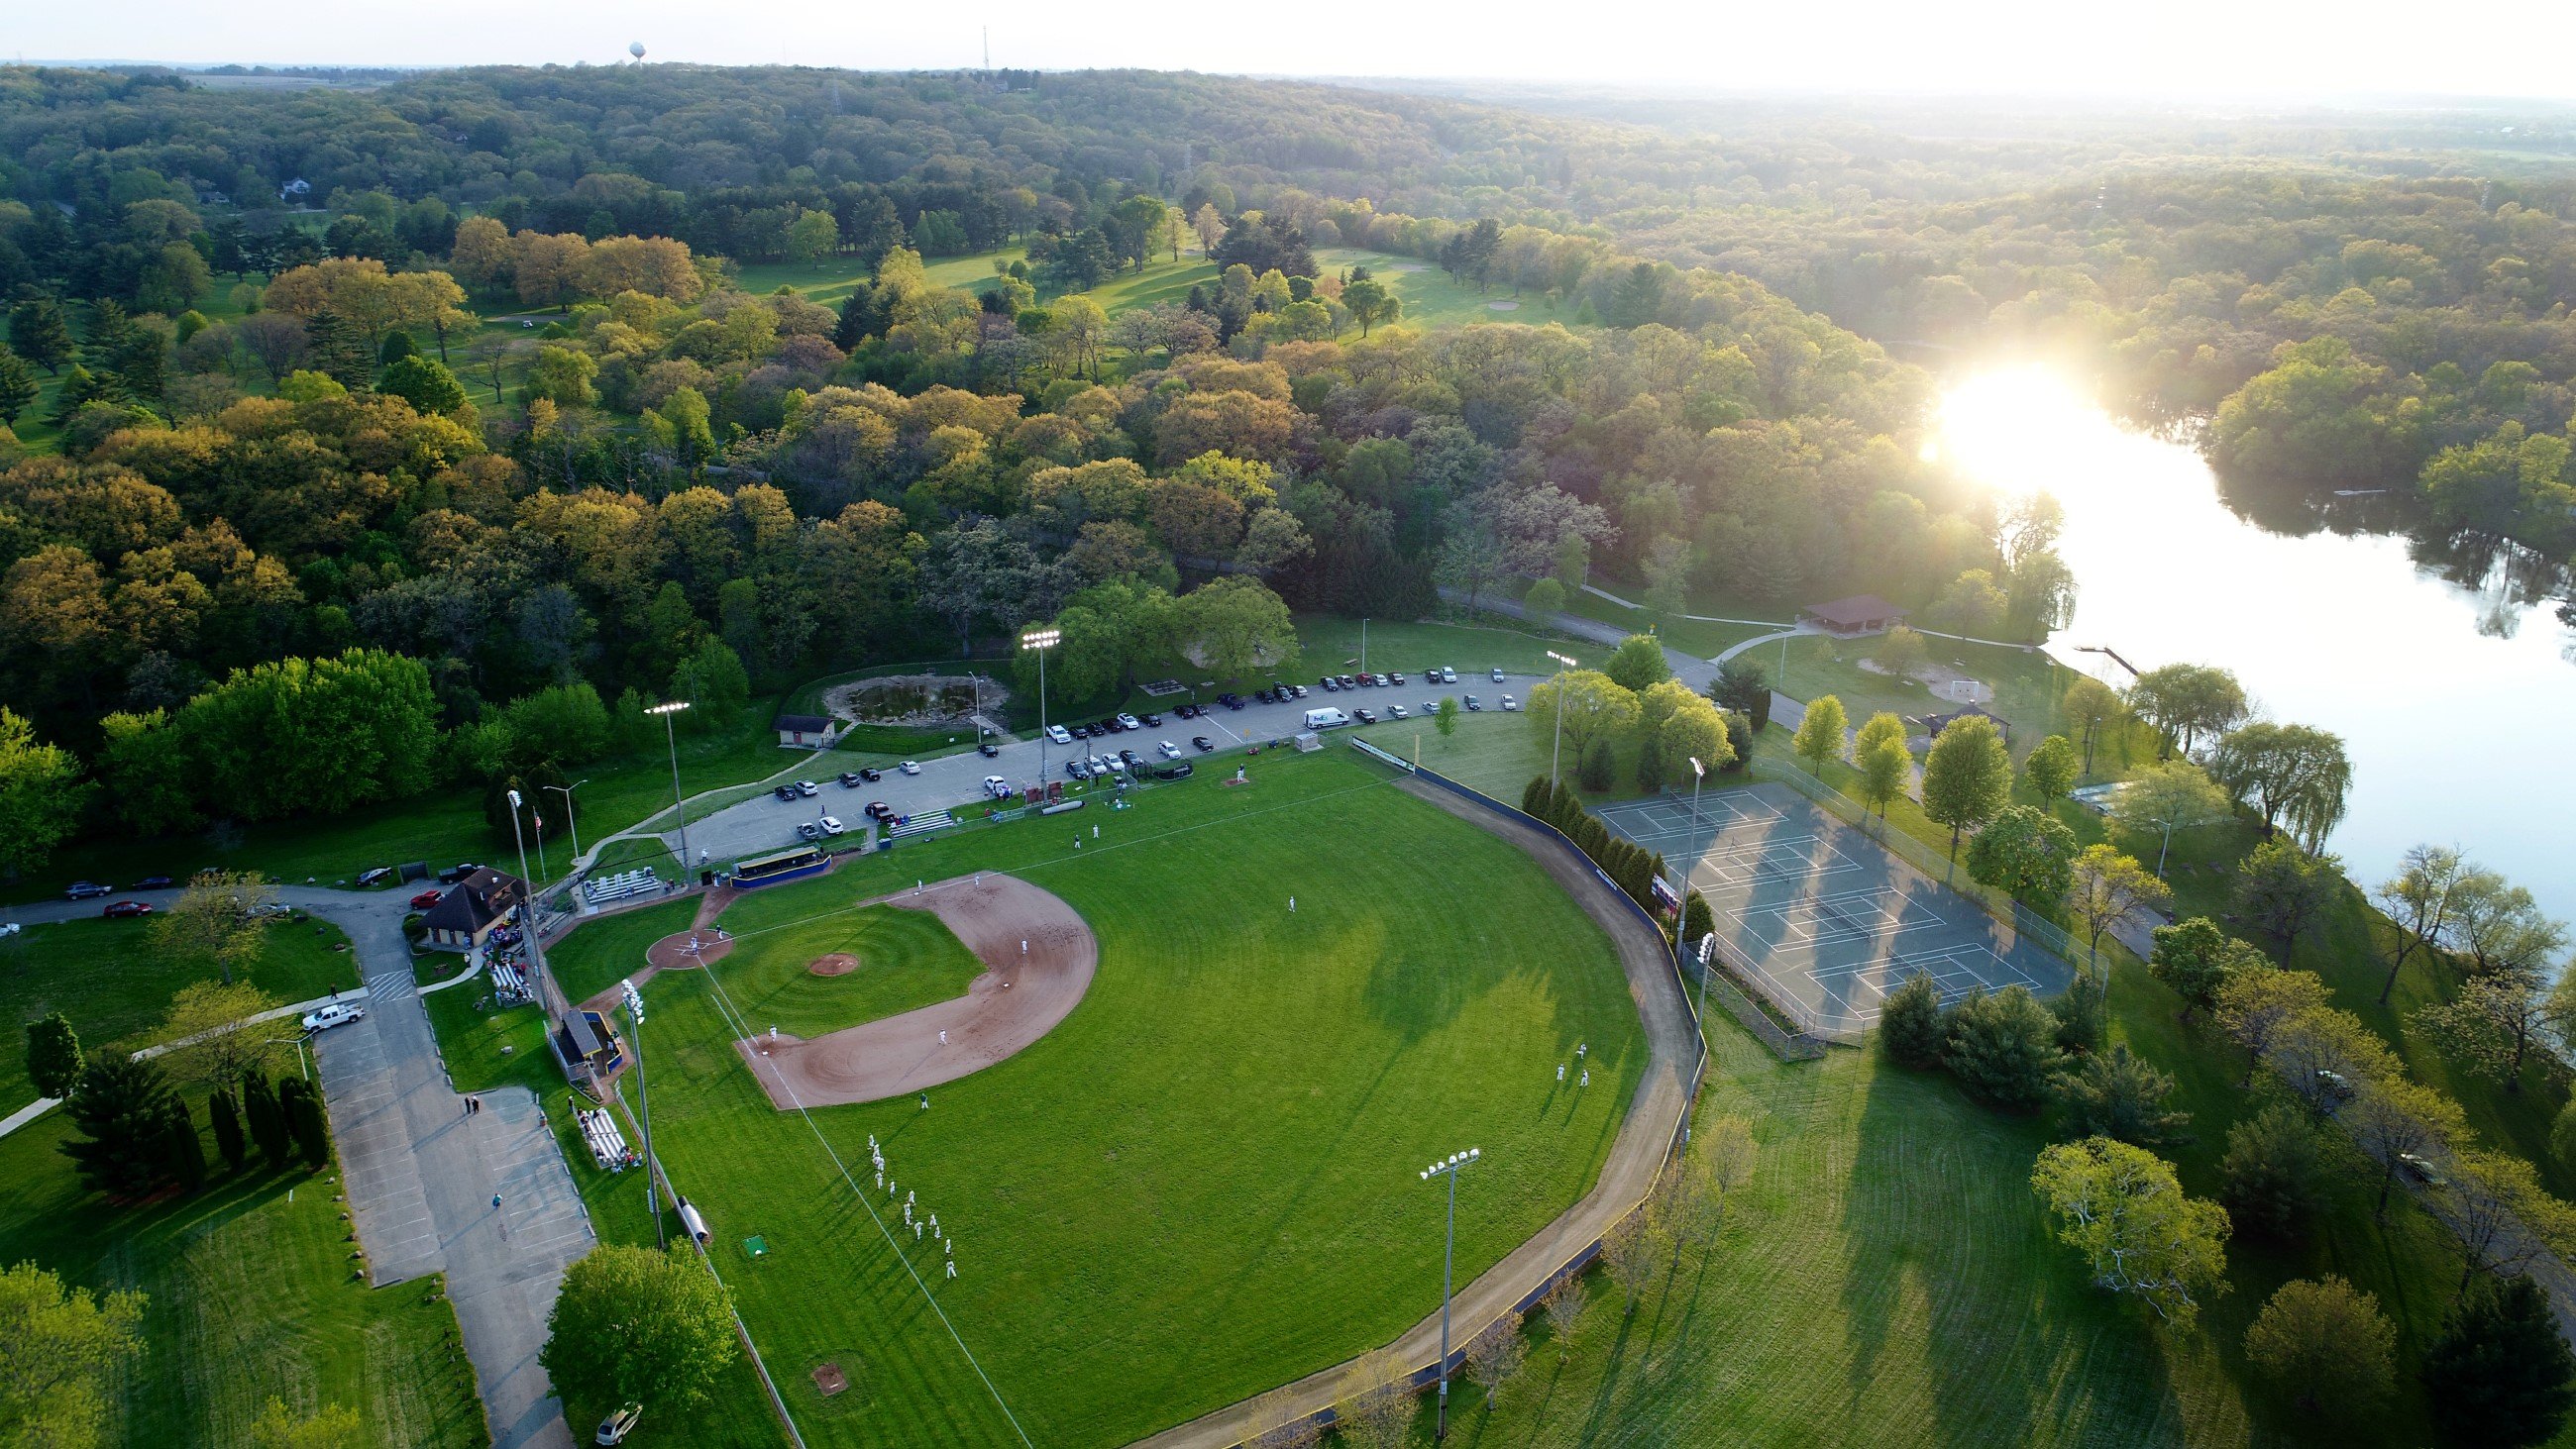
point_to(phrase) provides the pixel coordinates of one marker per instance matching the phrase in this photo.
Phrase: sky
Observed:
(2286, 49)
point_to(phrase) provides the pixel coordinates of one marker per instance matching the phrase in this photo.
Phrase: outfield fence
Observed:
(1933, 863)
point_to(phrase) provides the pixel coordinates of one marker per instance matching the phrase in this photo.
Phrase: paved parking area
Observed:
(1820, 918)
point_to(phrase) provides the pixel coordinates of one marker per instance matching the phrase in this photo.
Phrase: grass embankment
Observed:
(1197, 1186)
(105, 978)
(1705, 638)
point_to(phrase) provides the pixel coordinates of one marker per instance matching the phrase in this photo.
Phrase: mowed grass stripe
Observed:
(1201, 1184)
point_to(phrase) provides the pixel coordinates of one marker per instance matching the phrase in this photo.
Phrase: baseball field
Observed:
(1201, 1182)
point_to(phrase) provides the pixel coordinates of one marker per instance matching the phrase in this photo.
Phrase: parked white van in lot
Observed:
(1326, 718)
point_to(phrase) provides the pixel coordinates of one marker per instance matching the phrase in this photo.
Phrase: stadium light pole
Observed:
(644, 1108)
(1448, 1167)
(570, 819)
(1042, 640)
(679, 807)
(1699, 777)
(1557, 750)
(528, 900)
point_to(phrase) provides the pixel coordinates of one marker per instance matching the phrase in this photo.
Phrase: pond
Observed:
(2449, 675)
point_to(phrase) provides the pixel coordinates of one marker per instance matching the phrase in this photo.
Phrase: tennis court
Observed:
(1820, 919)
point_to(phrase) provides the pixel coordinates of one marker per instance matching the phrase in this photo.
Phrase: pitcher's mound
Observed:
(836, 963)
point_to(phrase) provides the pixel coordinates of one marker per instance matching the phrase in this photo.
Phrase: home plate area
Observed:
(1820, 919)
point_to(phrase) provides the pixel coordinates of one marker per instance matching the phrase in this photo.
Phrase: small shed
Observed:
(471, 908)
(1933, 724)
(1859, 614)
(585, 1042)
(811, 731)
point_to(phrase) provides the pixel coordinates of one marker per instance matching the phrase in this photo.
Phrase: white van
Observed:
(1326, 718)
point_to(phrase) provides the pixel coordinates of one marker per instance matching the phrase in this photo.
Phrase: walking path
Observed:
(42, 1105)
(1654, 1117)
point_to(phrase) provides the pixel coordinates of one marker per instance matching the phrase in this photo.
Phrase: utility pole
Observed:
(644, 1108)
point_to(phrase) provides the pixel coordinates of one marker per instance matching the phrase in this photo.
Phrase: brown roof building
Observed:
(1859, 614)
(471, 908)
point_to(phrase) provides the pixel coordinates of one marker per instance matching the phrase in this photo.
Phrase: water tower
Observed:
(636, 50)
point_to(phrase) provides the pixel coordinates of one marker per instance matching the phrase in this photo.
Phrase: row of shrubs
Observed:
(138, 1136)
(1631, 866)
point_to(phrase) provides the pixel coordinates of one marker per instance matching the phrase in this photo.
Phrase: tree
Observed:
(636, 1326)
(220, 920)
(1695, 731)
(301, 1106)
(18, 387)
(54, 1060)
(2326, 1343)
(2118, 1095)
(186, 1153)
(2417, 900)
(2491, 1025)
(2003, 1048)
(1967, 777)
(2023, 852)
(1634, 1248)
(226, 1120)
(1886, 766)
(119, 1107)
(2392, 1118)
(2256, 1002)
(1370, 303)
(2290, 774)
(2094, 709)
(2050, 769)
(1820, 734)
(1743, 684)
(1901, 653)
(330, 1427)
(41, 796)
(2188, 703)
(1470, 554)
(425, 383)
(1563, 1308)
(63, 1349)
(1499, 1352)
(2108, 889)
(268, 1124)
(2123, 1209)
(1445, 718)
(2500, 1376)
(40, 333)
(812, 236)
(1638, 662)
(209, 1033)
(1373, 1404)
(2164, 797)
(2506, 1221)
(2273, 1176)
(1911, 1025)
(2196, 960)
(2283, 889)
(1239, 625)
(1594, 707)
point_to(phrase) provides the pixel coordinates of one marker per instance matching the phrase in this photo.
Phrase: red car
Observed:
(119, 909)
(425, 900)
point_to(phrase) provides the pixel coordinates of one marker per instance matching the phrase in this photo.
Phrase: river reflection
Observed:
(2446, 668)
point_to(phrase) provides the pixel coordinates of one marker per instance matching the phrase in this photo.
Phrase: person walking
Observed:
(925, 1101)
(943, 1038)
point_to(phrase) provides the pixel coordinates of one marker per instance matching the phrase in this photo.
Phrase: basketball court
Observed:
(1818, 917)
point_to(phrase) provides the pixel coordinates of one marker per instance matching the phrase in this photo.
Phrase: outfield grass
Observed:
(907, 959)
(1201, 1184)
(115, 989)
(252, 1293)
(606, 949)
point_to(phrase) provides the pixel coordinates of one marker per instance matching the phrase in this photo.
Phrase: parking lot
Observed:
(764, 822)
(1818, 917)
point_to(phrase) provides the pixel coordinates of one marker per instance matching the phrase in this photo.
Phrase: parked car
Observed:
(1385, 681)
(1180, 771)
(1233, 701)
(871, 773)
(831, 825)
(1129, 721)
(1130, 759)
(1395, 711)
(1185, 711)
(1059, 734)
(1510, 705)
(910, 767)
(87, 890)
(457, 872)
(1430, 707)
(1077, 769)
(426, 899)
(1346, 681)
(1200, 743)
(1153, 721)
(1265, 696)
(849, 779)
(1366, 717)
(163, 882)
(1331, 686)
(808, 831)
(1498, 674)
(615, 1428)
(1297, 690)
(988, 749)
(119, 910)
(879, 811)
(997, 787)
(1396, 678)
(1448, 675)
(367, 879)
(1474, 703)
(808, 789)
(2421, 1169)
(785, 792)
(336, 1014)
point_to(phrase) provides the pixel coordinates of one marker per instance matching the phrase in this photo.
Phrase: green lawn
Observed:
(907, 959)
(1200, 1185)
(606, 949)
(252, 1294)
(1432, 300)
(1691, 636)
(2030, 690)
(115, 990)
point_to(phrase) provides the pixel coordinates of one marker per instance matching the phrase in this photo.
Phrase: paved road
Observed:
(421, 1176)
(765, 822)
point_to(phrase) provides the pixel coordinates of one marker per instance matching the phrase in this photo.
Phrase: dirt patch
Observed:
(833, 963)
(830, 1380)
(1944, 682)
(1506, 305)
(1039, 957)
(913, 699)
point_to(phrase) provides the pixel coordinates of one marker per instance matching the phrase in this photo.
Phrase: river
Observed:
(2452, 685)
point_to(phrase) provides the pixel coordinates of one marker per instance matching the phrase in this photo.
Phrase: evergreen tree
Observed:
(397, 346)
(187, 1153)
(228, 1128)
(2499, 1375)
(82, 388)
(2003, 1048)
(17, 386)
(267, 1122)
(1910, 1023)
(306, 1125)
(121, 1108)
(141, 359)
(1600, 766)
(39, 333)
(53, 1055)
(853, 327)
(2273, 1176)
(338, 350)
(2116, 1094)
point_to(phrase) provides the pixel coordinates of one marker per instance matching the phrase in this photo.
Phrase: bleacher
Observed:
(509, 984)
(607, 1144)
(601, 889)
(920, 824)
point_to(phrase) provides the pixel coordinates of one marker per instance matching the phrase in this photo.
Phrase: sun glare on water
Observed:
(2019, 430)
